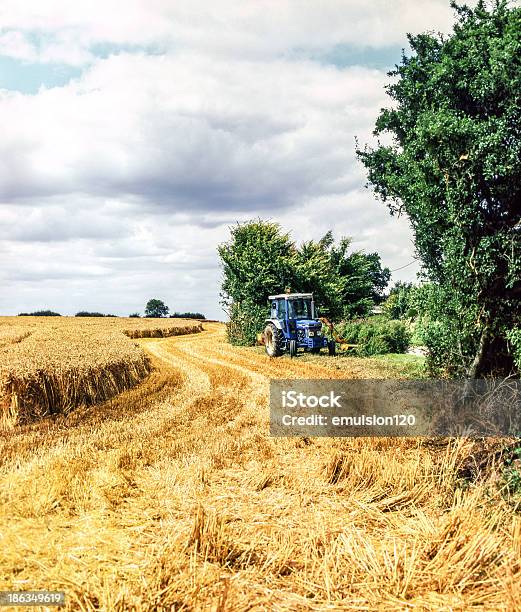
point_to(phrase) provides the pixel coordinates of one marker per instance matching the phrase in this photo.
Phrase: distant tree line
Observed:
(40, 313)
(84, 313)
(187, 315)
(154, 309)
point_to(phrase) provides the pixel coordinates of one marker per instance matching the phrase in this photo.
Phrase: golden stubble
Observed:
(173, 496)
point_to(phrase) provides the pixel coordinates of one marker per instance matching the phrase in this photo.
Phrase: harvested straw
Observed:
(163, 332)
(52, 366)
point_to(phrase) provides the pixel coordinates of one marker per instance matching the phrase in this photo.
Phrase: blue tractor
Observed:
(293, 325)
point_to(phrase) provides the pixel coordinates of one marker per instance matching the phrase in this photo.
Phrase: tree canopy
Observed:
(261, 259)
(454, 168)
(156, 308)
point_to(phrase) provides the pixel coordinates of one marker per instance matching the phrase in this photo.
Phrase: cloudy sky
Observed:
(135, 133)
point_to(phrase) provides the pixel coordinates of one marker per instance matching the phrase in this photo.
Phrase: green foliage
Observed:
(376, 336)
(261, 260)
(246, 321)
(257, 262)
(402, 365)
(454, 168)
(447, 331)
(512, 482)
(511, 474)
(344, 284)
(514, 337)
(40, 313)
(156, 309)
(400, 303)
(134, 315)
(187, 315)
(442, 335)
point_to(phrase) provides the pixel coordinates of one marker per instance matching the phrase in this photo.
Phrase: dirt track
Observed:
(173, 496)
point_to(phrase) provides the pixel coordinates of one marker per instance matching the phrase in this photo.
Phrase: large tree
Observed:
(156, 309)
(261, 259)
(345, 283)
(257, 261)
(454, 168)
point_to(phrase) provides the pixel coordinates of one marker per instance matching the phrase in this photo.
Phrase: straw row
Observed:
(163, 332)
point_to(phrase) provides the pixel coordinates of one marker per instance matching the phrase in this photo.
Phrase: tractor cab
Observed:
(293, 325)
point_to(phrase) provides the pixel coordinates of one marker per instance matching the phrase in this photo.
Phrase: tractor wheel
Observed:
(331, 346)
(292, 348)
(274, 340)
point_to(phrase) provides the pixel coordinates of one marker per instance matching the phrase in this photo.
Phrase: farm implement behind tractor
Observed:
(343, 344)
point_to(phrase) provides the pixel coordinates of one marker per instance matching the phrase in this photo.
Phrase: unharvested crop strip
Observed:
(66, 363)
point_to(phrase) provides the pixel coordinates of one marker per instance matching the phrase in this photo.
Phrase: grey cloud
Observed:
(53, 272)
(58, 223)
(119, 186)
(237, 154)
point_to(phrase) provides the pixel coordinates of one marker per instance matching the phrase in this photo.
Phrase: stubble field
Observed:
(173, 496)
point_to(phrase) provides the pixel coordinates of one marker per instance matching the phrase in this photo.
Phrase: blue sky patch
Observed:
(383, 58)
(27, 78)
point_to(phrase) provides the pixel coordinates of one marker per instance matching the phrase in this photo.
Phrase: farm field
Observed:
(173, 496)
(53, 364)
